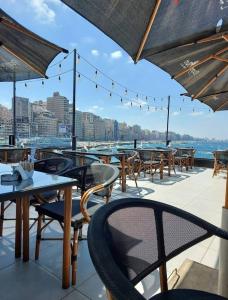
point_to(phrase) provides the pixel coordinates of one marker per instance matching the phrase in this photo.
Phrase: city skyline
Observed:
(45, 18)
(53, 117)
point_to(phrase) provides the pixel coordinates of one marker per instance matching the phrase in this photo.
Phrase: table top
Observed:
(154, 150)
(97, 153)
(12, 148)
(40, 182)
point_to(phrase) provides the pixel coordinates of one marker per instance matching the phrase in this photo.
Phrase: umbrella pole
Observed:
(223, 257)
(74, 103)
(14, 112)
(167, 128)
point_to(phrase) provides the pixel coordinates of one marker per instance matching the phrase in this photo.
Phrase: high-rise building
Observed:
(59, 105)
(116, 131)
(78, 124)
(46, 124)
(22, 109)
(109, 129)
(99, 129)
(88, 126)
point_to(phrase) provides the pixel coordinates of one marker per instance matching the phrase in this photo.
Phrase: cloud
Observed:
(95, 109)
(116, 54)
(175, 113)
(196, 113)
(95, 52)
(43, 13)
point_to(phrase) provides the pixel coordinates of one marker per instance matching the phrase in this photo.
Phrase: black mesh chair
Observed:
(137, 236)
(103, 178)
(55, 166)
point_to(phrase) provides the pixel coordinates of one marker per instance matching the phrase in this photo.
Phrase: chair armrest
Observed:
(85, 199)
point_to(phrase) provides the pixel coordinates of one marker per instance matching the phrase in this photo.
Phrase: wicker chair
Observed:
(103, 176)
(132, 165)
(220, 161)
(137, 236)
(151, 162)
(56, 166)
(182, 159)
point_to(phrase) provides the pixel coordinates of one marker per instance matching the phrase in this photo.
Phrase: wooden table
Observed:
(5, 153)
(21, 191)
(106, 157)
(164, 153)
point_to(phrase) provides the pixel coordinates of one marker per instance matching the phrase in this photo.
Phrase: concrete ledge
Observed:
(193, 275)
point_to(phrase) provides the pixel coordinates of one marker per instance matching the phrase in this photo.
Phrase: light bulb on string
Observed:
(59, 78)
(113, 84)
(96, 73)
(25, 84)
(110, 94)
(121, 100)
(78, 59)
(140, 106)
(154, 99)
(180, 108)
(148, 108)
(146, 98)
(137, 96)
(183, 99)
(131, 104)
(96, 86)
(42, 82)
(125, 91)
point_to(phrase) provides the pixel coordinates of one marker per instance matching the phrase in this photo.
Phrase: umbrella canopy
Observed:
(187, 39)
(23, 54)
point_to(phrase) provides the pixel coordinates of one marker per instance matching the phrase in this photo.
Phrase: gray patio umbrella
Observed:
(23, 54)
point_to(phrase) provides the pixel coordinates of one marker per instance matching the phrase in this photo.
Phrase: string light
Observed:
(112, 84)
(25, 84)
(131, 104)
(110, 94)
(96, 73)
(96, 86)
(148, 107)
(78, 59)
(42, 82)
(59, 78)
(121, 100)
(125, 91)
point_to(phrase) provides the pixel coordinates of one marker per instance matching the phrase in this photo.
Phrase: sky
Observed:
(56, 22)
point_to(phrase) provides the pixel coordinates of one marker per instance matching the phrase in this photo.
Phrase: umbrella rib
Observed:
(146, 34)
(221, 106)
(32, 35)
(34, 68)
(210, 82)
(211, 56)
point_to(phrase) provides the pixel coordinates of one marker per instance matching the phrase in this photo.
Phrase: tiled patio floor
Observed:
(195, 191)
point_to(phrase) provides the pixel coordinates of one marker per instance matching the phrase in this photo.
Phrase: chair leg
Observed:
(74, 255)
(38, 236)
(2, 217)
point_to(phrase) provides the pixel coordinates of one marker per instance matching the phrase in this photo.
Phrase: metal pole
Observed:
(167, 128)
(74, 102)
(14, 112)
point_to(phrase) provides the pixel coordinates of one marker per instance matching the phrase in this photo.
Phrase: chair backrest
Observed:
(46, 153)
(103, 174)
(13, 155)
(136, 236)
(221, 156)
(144, 155)
(78, 173)
(55, 165)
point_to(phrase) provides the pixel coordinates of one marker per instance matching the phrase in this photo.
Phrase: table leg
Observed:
(67, 237)
(18, 228)
(25, 205)
(123, 173)
(169, 165)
